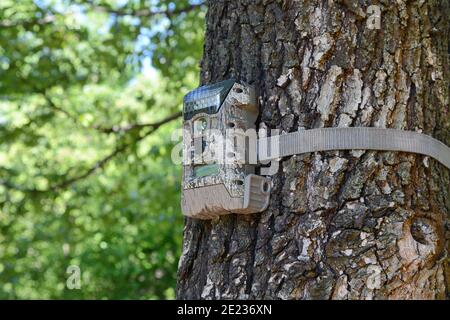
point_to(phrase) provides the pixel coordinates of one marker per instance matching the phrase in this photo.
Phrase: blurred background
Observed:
(90, 93)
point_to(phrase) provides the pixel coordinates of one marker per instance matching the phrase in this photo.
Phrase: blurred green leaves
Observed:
(85, 171)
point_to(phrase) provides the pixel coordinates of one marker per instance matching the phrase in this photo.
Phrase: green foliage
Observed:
(86, 176)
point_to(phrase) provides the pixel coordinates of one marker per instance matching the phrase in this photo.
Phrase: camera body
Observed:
(220, 152)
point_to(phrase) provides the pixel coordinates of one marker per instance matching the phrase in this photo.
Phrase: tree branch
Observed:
(143, 12)
(50, 18)
(130, 127)
(107, 130)
(99, 164)
(26, 23)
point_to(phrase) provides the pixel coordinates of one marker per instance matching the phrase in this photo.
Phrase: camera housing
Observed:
(219, 139)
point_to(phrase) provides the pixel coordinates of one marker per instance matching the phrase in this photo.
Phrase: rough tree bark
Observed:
(341, 225)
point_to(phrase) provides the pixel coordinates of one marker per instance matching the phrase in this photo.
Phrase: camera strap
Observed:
(356, 138)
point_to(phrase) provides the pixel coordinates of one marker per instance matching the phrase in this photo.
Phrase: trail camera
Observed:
(221, 149)
(219, 140)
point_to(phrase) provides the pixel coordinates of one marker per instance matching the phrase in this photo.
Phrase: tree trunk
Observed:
(342, 224)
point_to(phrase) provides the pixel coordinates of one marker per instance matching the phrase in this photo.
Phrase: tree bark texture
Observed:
(341, 224)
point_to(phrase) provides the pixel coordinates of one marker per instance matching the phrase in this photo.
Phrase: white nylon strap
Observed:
(361, 138)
